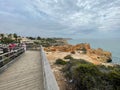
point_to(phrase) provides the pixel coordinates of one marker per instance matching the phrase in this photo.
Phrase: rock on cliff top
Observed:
(84, 48)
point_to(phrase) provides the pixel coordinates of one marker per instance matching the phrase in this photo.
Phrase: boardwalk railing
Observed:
(9, 56)
(50, 82)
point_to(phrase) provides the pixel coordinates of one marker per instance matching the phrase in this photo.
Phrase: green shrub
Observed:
(87, 76)
(60, 62)
(72, 52)
(68, 57)
(114, 78)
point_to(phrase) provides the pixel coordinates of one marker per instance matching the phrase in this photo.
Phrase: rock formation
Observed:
(99, 55)
(84, 48)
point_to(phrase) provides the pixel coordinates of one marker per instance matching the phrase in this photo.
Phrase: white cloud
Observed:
(71, 16)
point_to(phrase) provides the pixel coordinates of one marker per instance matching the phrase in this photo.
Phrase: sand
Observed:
(61, 80)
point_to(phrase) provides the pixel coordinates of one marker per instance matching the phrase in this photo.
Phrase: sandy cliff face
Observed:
(83, 48)
(99, 55)
(69, 48)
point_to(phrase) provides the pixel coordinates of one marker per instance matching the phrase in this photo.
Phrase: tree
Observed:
(38, 38)
(15, 36)
(10, 35)
(7, 40)
(19, 39)
(32, 38)
(2, 35)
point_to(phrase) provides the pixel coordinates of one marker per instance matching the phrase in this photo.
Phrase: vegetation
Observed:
(72, 52)
(60, 62)
(46, 42)
(11, 38)
(7, 40)
(15, 36)
(68, 57)
(32, 38)
(86, 76)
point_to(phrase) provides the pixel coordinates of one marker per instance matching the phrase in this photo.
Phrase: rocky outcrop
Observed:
(69, 48)
(100, 55)
(84, 48)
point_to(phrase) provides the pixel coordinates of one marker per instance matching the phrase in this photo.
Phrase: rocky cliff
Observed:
(84, 48)
(99, 55)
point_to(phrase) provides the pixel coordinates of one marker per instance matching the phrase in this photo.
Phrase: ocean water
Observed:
(112, 45)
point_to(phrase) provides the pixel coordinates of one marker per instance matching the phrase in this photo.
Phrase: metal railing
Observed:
(9, 56)
(50, 82)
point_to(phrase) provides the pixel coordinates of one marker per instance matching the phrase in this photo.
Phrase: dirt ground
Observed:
(61, 80)
(52, 56)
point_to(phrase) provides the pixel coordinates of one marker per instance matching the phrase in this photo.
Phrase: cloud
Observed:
(63, 18)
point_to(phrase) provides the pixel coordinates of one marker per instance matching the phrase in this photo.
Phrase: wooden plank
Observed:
(24, 74)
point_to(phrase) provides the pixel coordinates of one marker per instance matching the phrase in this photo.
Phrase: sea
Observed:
(111, 45)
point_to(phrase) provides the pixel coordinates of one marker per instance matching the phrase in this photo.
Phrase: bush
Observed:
(68, 57)
(114, 79)
(84, 76)
(87, 76)
(72, 52)
(60, 62)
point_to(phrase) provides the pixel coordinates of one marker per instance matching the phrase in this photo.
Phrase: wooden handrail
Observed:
(7, 57)
(50, 82)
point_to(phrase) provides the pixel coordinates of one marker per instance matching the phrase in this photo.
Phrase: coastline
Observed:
(62, 81)
(92, 55)
(111, 45)
(53, 54)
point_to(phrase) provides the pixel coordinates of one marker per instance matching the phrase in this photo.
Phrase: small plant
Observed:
(60, 62)
(68, 57)
(72, 52)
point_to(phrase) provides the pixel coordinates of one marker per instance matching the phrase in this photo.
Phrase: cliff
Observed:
(69, 48)
(99, 55)
(83, 48)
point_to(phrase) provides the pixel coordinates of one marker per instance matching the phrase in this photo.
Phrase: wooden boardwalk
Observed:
(24, 74)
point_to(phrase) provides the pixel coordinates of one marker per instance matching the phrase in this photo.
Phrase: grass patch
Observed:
(60, 62)
(68, 57)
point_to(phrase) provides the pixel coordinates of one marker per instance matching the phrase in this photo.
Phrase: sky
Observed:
(61, 18)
